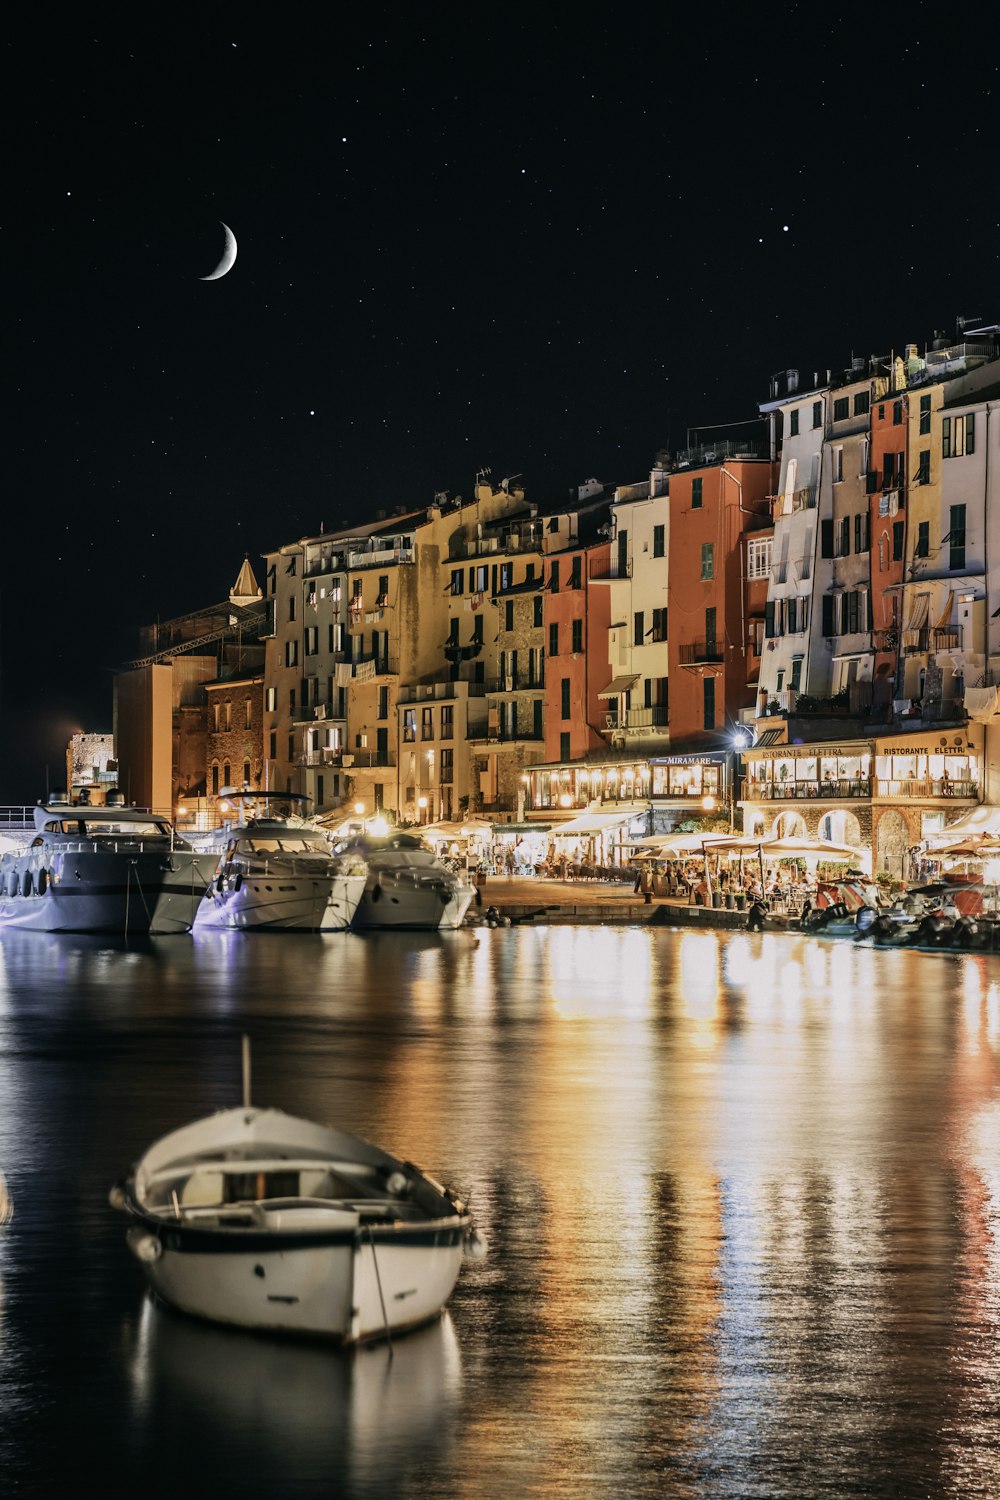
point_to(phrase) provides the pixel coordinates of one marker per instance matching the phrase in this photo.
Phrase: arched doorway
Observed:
(891, 843)
(789, 825)
(841, 827)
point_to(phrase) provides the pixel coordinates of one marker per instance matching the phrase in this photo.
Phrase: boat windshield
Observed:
(90, 828)
(288, 843)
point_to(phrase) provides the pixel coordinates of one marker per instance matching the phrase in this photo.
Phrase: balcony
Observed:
(646, 718)
(516, 682)
(702, 653)
(802, 791)
(610, 568)
(928, 788)
(792, 502)
(381, 558)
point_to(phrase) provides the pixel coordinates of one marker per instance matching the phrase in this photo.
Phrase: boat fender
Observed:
(397, 1183)
(43, 882)
(27, 884)
(145, 1247)
(377, 889)
(237, 881)
(116, 1197)
(475, 1246)
(13, 885)
(220, 884)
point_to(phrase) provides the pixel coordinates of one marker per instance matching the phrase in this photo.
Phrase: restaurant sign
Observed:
(810, 752)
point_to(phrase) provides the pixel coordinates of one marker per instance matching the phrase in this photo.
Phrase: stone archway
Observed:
(840, 826)
(789, 825)
(892, 841)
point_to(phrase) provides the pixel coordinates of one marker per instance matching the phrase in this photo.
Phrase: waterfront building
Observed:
(719, 498)
(576, 622)
(636, 580)
(91, 764)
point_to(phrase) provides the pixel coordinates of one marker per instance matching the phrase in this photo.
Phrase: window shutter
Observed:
(829, 601)
(826, 538)
(769, 619)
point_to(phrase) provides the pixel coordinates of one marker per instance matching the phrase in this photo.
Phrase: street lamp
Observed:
(741, 739)
(422, 805)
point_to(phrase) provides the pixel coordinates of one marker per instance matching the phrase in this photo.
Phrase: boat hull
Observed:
(398, 902)
(156, 893)
(303, 903)
(351, 1290)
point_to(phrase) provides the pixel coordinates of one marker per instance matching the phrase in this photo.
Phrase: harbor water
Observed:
(741, 1193)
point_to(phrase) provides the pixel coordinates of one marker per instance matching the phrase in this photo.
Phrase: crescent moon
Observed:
(228, 256)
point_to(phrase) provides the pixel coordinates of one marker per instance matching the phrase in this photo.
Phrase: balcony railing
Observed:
(801, 791)
(927, 788)
(787, 504)
(517, 682)
(614, 567)
(697, 652)
(646, 718)
(932, 638)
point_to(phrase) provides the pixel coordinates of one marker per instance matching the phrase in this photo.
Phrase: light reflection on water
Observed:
(741, 1194)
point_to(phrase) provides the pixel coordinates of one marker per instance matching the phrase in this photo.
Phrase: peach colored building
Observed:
(714, 503)
(576, 620)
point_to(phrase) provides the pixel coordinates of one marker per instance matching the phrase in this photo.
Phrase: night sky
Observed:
(532, 241)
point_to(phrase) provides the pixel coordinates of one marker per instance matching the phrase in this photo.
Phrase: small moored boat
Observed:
(260, 1219)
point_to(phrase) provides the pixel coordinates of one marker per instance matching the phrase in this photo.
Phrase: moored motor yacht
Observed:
(260, 1219)
(107, 868)
(407, 885)
(276, 871)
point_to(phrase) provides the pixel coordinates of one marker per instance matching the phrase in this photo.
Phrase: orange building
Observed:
(576, 620)
(714, 504)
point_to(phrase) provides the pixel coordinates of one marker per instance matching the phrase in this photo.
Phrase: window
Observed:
(227, 775)
(862, 532)
(577, 627)
(575, 575)
(659, 541)
(564, 748)
(271, 699)
(659, 624)
(837, 461)
(291, 653)
(291, 606)
(707, 561)
(554, 639)
(426, 723)
(924, 466)
(291, 700)
(759, 558)
(247, 713)
(897, 413)
(791, 615)
(554, 575)
(383, 591)
(536, 613)
(273, 746)
(793, 422)
(925, 416)
(708, 698)
(477, 631)
(817, 414)
(958, 435)
(291, 747)
(409, 725)
(841, 408)
(383, 703)
(696, 494)
(862, 401)
(215, 778)
(453, 631)
(956, 537)
(312, 640)
(506, 577)
(638, 628)
(448, 721)
(246, 773)
(508, 615)
(565, 704)
(844, 550)
(771, 624)
(458, 580)
(447, 766)
(897, 541)
(795, 681)
(829, 614)
(923, 547)
(826, 538)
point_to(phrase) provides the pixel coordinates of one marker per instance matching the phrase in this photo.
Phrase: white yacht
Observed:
(276, 871)
(408, 886)
(259, 1219)
(106, 868)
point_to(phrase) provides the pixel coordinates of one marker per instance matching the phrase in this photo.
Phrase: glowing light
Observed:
(421, 801)
(565, 800)
(359, 808)
(708, 802)
(379, 827)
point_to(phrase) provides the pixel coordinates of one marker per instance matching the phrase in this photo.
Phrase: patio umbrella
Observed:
(794, 844)
(672, 843)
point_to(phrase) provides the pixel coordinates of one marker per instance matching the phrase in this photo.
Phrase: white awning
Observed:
(597, 822)
(619, 685)
(917, 607)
